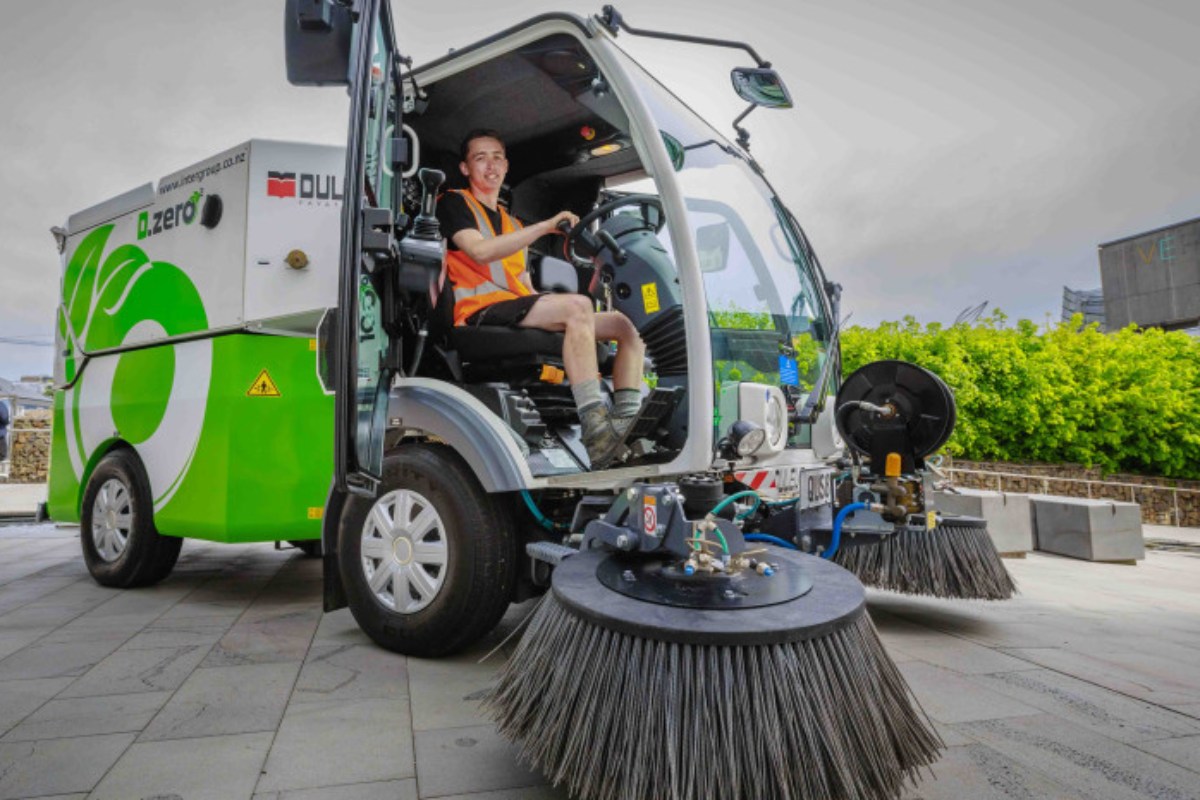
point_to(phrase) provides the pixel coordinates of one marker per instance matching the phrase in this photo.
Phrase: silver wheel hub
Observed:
(112, 519)
(404, 551)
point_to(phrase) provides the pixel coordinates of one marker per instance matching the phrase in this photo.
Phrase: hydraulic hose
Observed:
(846, 511)
(537, 512)
(769, 539)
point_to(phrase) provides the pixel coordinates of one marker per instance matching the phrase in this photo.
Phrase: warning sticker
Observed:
(316, 512)
(930, 520)
(263, 386)
(650, 297)
(650, 515)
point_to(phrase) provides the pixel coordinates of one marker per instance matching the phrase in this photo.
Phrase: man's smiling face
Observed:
(486, 164)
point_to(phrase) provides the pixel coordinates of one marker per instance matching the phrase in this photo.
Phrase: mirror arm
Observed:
(743, 135)
(611, 19)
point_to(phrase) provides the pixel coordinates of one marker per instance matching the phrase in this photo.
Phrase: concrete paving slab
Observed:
(210, 768)
(1094, 707)
(268, 637)
(128, 671)
(351, 672)
(977, 772)
(221, 700)
(386, 790)
(196, 632)
(1138, 674)
(87, 716)
(19, 699)
(457, 761)
(339, 628)
(338, 742)
(945, 650)
(446, 693)
(524, 793)
(1184, 751)
(56, 660)
(57, 766)
(1094, 765)
(950, 698)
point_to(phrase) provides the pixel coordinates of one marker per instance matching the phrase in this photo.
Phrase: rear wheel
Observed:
(430, 564)
(121, 545)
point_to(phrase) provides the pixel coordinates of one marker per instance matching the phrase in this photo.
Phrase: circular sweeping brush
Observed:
(955, 560)
(622, 697)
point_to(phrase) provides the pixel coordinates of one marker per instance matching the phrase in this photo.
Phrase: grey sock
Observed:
(587, 394)
(626, 402)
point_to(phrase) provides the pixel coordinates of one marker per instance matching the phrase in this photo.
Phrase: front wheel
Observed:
(430, 564)
(121, 545)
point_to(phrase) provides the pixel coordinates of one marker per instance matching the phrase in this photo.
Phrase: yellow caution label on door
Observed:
(263, 386)
(315, 512)
(930, 520)
(650, 297)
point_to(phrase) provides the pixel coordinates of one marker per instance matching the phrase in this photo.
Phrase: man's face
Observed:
(486, 164)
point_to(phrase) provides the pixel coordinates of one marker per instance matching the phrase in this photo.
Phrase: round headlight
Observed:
(747, 437)
(776, 421)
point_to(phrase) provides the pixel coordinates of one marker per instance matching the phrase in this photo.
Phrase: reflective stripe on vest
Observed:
(476, 285)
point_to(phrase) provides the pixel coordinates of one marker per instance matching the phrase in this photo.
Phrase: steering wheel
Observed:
(593, 243)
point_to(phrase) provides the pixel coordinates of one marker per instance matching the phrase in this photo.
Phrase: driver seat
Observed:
(523, 357)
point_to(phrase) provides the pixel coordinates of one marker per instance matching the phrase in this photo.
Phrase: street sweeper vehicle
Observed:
(695, 637)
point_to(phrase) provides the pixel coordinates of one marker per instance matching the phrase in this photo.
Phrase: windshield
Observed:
(766, 318)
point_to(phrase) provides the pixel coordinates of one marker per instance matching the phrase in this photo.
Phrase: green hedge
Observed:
(1125, 402)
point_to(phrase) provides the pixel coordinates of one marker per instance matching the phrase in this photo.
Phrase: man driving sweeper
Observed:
(487, 266)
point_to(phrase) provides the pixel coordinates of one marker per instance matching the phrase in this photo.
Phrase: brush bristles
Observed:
(615, 717)
(950, 561)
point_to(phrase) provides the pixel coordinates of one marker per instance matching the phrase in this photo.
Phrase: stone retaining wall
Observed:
(1160, 505)
(29, 447)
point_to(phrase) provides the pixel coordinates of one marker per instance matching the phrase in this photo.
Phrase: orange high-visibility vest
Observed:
(478, 285)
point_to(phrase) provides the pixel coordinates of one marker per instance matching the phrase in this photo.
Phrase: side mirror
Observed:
(317, 37)
(761, 86)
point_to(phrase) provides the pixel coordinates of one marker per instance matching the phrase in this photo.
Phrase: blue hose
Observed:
(769, 539)
(537, 512)
(846, 511)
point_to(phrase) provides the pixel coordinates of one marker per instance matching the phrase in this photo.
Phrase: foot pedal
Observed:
(549, 552)
(654, 412)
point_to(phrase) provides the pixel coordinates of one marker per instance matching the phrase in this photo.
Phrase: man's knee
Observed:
(577, 309)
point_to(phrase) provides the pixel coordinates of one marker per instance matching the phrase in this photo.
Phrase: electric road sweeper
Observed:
(262, 347)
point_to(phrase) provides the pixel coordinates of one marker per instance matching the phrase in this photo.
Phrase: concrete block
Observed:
(469, 760)
(208, 768)
(1009, 521)
(1093, 530)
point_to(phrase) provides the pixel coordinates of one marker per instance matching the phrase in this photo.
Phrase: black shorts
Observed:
(506, 312)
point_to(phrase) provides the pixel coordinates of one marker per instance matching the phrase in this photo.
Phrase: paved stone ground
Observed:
(227, 682)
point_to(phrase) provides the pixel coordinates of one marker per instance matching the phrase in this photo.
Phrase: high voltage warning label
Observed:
(263, 386)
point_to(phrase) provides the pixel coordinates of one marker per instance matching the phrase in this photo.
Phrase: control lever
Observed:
(426, 225)
(423, 252)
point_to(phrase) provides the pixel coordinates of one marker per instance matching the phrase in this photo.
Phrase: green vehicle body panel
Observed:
(260, 463)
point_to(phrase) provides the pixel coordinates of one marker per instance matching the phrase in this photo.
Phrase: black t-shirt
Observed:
(455, 215)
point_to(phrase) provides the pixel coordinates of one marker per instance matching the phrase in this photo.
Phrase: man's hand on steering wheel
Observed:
(593, 243)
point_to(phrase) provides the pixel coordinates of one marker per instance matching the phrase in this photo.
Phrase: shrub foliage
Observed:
(1125, 402)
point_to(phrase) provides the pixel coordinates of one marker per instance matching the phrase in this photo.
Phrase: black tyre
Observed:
(311, 548)
(429, 566)
(121, 546)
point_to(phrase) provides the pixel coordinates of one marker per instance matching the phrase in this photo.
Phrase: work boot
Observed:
(622, 424)
(602, 441)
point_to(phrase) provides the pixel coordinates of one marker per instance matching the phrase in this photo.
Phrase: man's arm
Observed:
(482, 250)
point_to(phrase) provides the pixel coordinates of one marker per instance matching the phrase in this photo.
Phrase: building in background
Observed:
(25, 395)
(1153, 279)
(1089, 302)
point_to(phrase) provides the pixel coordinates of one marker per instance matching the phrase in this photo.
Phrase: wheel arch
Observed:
(98, 455)
(466, 425)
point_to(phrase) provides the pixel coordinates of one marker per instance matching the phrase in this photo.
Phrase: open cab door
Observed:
(352, 44)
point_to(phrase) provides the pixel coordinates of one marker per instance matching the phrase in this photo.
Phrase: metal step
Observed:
(549, 552)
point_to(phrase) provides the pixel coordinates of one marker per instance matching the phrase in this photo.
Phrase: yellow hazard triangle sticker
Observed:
(263, 386)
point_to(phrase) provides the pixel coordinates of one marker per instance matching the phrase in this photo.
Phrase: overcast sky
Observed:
(941, 152)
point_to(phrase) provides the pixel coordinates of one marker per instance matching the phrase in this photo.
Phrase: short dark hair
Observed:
(477, 133)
